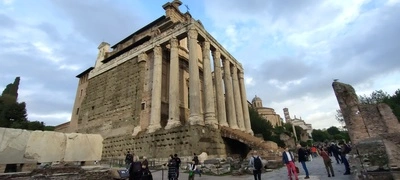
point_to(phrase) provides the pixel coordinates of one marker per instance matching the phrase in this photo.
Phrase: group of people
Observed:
(325, 151)
(139, 170)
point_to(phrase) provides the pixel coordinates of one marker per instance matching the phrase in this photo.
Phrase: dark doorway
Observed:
(236, 148)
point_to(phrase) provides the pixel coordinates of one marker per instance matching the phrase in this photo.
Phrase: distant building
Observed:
(298, 122)
(266, 112)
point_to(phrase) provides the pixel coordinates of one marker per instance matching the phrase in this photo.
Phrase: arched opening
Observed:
(235, 148)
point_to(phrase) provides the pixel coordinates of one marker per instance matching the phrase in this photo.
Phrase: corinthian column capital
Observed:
(174, 42)
(157, 50)
(192, 33)
(216, 54)
(241, 74)
(206, 45)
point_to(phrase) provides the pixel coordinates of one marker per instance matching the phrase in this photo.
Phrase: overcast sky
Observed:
(291, 50)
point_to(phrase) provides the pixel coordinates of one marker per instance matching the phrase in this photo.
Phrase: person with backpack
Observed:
(192, 170)
(171, 168)
(288, 160)
(256, 164)
(128, 160)
(135, 170)
(345, 149)
(178, 164)
(197, 162)
(302, 159)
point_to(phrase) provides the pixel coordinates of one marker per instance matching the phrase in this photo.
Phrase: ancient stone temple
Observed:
(169, 87)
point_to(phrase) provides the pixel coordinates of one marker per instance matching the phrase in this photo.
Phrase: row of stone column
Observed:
(234, 115)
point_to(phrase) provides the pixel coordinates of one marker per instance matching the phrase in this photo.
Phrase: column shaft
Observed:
(155, 115)
(173, 120)
(219, 89)
(246, 115)
(230, 103)
(195, 117)
(209, 104)
(237, 98)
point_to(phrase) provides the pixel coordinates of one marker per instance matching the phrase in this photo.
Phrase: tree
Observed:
(320, 135)
(259, 125)
(339, 117)
(378, 96)
(333, 130)
(13, 113)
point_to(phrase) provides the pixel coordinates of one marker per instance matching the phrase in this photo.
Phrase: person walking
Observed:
(128, 160)
(135, 170)
(335, 151)
(256, 164)
(192, 169)
(302, 159)
(343, 152)
(197, 162)
(327, 162)
(178, 164)
(171, 168)
(288, 160)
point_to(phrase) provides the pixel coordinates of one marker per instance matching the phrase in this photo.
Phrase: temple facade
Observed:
(161, 87)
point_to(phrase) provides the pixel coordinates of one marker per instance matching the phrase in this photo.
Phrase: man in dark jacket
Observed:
(288, 160)
(302, 159)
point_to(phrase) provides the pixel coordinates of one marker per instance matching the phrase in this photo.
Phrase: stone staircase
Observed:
(248, 139)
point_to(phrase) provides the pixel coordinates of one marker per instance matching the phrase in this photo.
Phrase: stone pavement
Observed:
(316, 169)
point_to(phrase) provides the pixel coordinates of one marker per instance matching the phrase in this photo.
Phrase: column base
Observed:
(234, 127)
(172, 124)
(196, 120)
(153, 128)
(242, 129)
(136, 130)
(212, 124)
(224, 124)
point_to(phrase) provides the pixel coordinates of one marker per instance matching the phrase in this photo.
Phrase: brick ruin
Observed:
(375, 135)
(170, 87)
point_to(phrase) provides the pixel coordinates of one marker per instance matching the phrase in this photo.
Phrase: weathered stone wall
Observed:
(60, 173)
(112, 104)
(375, 133)
(184, 140)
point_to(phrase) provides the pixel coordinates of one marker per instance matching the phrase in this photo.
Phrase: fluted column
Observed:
(194, 80)
(246, 115)
(209, 104)
(173, 120)
(230, 103)
(155, 114)
(219, 89)
(237, 98)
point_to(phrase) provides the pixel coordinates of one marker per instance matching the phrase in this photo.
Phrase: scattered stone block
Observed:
(12, 145)
(83, 147)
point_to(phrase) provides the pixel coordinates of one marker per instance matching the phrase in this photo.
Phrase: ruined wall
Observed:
(184, 140)
(113, 101)
(375, 133)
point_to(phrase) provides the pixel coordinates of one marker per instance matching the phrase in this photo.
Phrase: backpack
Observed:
(136, 167)
(347, 148)
(257, 163)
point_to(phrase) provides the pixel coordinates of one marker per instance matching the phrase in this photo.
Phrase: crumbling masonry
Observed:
(375, 135)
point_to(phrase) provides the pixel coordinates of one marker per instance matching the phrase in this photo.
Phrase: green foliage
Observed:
(332, 133)
(394, 103)
(13, 114)
(259, 125)
(376, 97)
(339, 116)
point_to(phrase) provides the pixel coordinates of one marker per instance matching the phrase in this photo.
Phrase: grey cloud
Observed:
(100, 20)
(6, 22)
(50, 31)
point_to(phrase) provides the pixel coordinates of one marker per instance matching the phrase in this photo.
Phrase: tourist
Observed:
(327, 162)
(344, 150)
(128, 160)
(197, 162)
(335, 151)
(171, 168)
(288, 160)
(314, 151)
(302, 159)
(256, 164)
(192, 170)
(145, 164)
(178, 164)
(135, 170)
